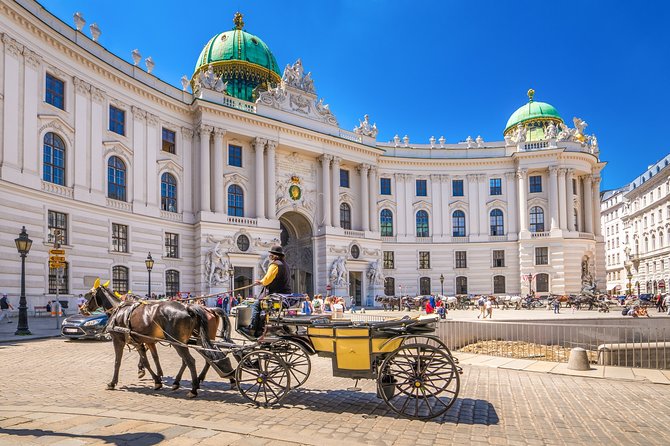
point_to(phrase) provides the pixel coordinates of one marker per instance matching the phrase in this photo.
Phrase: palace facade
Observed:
(206, 178)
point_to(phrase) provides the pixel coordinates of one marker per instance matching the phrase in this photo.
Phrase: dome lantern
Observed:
(535, 116)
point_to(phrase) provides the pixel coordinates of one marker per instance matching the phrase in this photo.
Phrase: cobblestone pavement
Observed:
(53, 393)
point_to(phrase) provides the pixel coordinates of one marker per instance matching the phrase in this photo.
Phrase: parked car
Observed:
(245, 303)
(80, 326)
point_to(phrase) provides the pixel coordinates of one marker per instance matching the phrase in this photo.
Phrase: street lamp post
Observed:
(629, 276)
(231, 275)
(442, 284)
(149, 262)
(23, 244)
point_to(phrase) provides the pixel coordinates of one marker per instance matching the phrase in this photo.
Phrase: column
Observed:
(374, 185)
(10, 128)
(139, 162)
(151, 175)
(259, 145)
(444, 193)
(219, 192)
(588, 204)
(271, 160)
(570, 199)
(31, 84)
(335, 192)
(82, 91)
(597, 230)
(473, 204)
(436, 189)
(522, 176)
(553, 196)
(562, 202)
(187, 154)
(325, 187)
(410, 222)
(512, 212)
(481, 200)
(205, 197)
(363, 169)
(401, 202)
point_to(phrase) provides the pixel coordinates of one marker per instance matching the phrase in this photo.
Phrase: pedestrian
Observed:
(338, 309)
(659, 303)
(318, 304)
(666, 302)
(442, 310)
(557, 306)
(431, 299)
(481, 305)
(5, 308)
(429, 307)
(307, 307)
(488, 306)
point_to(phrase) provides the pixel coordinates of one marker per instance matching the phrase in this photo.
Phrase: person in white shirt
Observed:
(488, 307)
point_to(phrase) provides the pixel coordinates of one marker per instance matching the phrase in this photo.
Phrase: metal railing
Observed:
(637, 343)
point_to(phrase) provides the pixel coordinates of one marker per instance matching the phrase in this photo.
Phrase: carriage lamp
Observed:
(23, 244)
(149, 262)
(442, 284)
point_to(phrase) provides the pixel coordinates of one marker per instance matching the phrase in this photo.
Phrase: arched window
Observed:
(576, 217)
(498, 284)
(653, 242)
(497, 222)
(53, 165)
(646, 244)
(389, 286)
(458, 223)
(235, 200)
(461, 285)
(542, 283)
(345, 216)
(536, 219)
(424, 285)
(168, 192)
(386, 223)
(422, 224)
(120, 279)
(171, 282)
(116, 179)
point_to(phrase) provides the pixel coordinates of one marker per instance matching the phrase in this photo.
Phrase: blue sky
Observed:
(426, 68)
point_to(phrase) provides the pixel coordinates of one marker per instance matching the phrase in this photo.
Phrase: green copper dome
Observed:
(535, 115)
(244, 61)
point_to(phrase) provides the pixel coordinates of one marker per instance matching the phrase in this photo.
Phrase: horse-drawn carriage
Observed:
(416, 375)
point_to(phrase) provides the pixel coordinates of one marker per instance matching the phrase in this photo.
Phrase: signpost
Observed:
(57, 262)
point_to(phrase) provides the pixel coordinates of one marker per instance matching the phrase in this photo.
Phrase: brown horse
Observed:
(146, 323)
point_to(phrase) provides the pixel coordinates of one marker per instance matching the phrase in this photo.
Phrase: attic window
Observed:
(255, 41)
(224, 37)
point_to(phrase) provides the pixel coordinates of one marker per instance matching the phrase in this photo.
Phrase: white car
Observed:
(246, 303)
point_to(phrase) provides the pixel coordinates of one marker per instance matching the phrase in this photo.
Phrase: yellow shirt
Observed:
(270, 275)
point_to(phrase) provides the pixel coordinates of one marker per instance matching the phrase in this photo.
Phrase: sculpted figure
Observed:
(338, 272)
(565, 134)
(580, 125)
(375, 273)
(216, 266)
(520, 134)
(364, 127)
(551, 131)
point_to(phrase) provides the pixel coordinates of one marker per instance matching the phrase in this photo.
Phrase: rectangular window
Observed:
(57, 222)
(535, 182)
(389, 286)
(574, 186)
(495, 186)
(385, 186)
(421, 188)
(389, 260)
(498, 284)
(168, 141)
(235, 156)
(117, 120)
(55, 92)
(461, 259)
(457, 188)
(344, 178)
(171, 245)
(424, 260)
(58, 280)
(542, 256)
(119, 238)
(498, 258)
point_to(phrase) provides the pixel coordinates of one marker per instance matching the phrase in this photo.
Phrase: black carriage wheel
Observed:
(263, 378)
(419, 381)
(296, 358)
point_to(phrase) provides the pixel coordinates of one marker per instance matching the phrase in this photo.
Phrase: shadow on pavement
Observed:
(464, 410)
(136, 439)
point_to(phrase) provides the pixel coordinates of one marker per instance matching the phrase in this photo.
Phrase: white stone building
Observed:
(125, 164)
(635, 220)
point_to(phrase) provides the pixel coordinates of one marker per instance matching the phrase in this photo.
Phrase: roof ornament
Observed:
(531, 93)
(365, 128)
(294, 75)
(79, 21)
(239, 23)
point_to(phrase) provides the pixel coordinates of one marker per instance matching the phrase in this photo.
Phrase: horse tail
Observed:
(225, 326)
(199, 314)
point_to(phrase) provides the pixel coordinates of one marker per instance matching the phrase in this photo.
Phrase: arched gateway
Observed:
(296, 239)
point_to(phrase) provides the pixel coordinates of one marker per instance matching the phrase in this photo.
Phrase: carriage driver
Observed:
(277, 280)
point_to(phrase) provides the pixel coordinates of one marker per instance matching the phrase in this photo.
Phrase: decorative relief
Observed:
(11, 46)
(209, 80)
(187, 132)
(59, 126)
(57, 189)
(97, 95)
(32, 58)
(337, 249)
(81, 86)
(153, 119)
(205, 130)
(138, 113)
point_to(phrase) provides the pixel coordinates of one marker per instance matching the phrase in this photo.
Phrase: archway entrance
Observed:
(296, 239)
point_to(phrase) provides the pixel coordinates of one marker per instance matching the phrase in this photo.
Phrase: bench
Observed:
(39, 310)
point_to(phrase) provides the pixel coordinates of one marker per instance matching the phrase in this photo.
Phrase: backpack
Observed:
(624, 311)
(3, 303)
(317, 303)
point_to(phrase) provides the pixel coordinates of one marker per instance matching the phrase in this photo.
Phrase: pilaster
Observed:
(553, 196)
(562, 201)
(325, 188)
(259, 146)
(588, 204)
(82, 93)
(363, 170)
(31, 85)
(522, 179)
(372, 201)
(10, 127)
(335, 192)
(219, 192)
(271, 156)
(205, 132)
(570, 199)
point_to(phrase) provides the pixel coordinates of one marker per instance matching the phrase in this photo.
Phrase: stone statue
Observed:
(480, 141)
(216, 266)
(338, 272)
(364, 127)
(442, 141)
(295, 76)
(519, 134)
(208, 79)
(469, 141)
(594, 144)
(375, 273)
(565, 133)
(580, 125)
(432, 141)
(405, 140)
(551, 131)
(396, 140)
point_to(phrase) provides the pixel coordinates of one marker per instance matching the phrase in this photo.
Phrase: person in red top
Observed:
(429, 308)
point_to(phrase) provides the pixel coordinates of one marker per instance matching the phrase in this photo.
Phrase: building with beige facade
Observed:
(208, 176)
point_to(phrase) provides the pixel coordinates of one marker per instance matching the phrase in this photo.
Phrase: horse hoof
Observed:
(191, 394)
(111, 386)
(158, 386)
(175, 386)
(141, 373)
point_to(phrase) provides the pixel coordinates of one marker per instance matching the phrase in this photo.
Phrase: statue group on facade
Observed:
(294, 75)
(209, 80)
(216, 266)
(365, 128)
(375, 274)
(338, 272)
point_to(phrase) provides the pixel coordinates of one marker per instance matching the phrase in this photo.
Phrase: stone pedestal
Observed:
(373, 290)
(340, 290)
